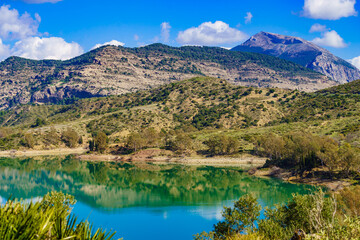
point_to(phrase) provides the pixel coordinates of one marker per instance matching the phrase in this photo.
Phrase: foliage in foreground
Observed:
(313, 216)
(49, 219)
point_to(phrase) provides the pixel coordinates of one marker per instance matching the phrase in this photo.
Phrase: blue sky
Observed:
(78, 25)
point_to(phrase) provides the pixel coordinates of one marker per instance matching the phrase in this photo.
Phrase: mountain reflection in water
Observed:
(109, 192)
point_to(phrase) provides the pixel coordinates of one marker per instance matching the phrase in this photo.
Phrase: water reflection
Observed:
(116, 193)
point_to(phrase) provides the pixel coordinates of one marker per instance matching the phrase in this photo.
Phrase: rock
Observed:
(115, 70)
(303, 52)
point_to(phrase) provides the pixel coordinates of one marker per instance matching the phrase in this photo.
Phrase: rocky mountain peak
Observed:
(303, 52)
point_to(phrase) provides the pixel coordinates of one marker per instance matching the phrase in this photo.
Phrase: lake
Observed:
(144, 201)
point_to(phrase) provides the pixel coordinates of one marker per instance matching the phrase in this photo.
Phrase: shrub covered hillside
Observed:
(201, 115)
(192, 105)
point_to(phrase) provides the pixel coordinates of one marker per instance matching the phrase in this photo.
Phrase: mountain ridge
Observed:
(111, 70)
(303, 52)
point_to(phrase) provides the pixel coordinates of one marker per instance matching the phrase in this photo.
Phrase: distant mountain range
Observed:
(114, 70)
(301, 52)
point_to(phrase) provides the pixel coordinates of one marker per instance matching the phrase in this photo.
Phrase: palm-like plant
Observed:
(49, 219)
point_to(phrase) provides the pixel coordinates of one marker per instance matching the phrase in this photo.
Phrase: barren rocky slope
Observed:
(302, 52)
(114, 70)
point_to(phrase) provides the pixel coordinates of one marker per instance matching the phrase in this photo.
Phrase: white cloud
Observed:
(4, 50)
(330, 39)
(329, 9)
(46, 48)
(248, 17)
(356, 62)
(318, 28)
(41, 1)
(209, 33)
(165, 31)
(112, 42)
(16, 26)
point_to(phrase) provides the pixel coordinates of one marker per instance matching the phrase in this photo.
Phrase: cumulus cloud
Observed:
(330, 39)
(112, 42)
(209, 33)
(41, 1)
(4, 50)
(318, 28)
(16, 26)
(165, 31)
(329, 9)
(248, 17)
(356, 62)
(46, 48)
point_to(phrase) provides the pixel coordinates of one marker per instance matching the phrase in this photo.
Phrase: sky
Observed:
(62, 29)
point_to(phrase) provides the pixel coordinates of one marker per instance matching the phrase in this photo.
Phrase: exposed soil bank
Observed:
(306, 178)
(148, 155)
(50, 152)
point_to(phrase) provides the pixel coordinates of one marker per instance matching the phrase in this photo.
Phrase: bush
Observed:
(305, 151)
(70, 137)
(304, 214)
(28, 141)
(181, 144)
(51, 137)
(101, 142)
(222, 145)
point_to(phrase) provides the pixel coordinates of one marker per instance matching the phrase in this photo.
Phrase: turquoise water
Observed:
(141, 202)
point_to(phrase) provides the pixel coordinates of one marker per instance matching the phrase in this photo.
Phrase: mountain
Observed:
(114, 70)
(301, 52)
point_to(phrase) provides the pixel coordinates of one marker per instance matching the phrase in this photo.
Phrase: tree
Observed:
(101, 142)
(70, 137)
(29, 140)
(242, 216)
(182, 144)
(329, 154)
(222, 145)
(91, 145)
(51, 137)
(135, 141)
(349, 158)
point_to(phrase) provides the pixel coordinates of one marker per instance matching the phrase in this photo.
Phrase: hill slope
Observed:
(200, 106)
(302, 52)
(116, 70)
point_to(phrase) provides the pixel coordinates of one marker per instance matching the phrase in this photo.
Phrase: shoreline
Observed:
(251, 164)
(247, 160)
(288, 176)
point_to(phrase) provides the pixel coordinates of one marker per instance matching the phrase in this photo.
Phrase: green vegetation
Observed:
(304, 151)
(47, 219)
(313, 216)
(204, 116)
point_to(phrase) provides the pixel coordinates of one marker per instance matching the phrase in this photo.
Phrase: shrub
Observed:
(70, 137)
(28, 140)
(101, 142)
(222, 145)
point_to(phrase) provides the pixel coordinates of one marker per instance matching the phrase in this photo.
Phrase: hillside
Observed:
(114, 70)
(302, 52)
(199, 106)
